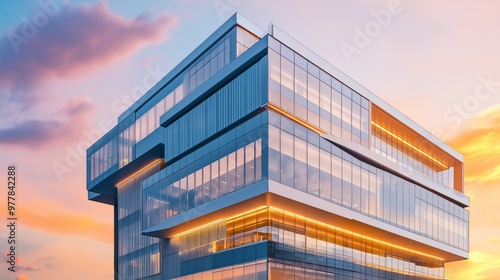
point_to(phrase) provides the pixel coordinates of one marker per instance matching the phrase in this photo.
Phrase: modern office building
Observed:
(256, 159)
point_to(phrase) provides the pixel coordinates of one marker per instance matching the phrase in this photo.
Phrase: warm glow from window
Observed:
(409, 144)
(294, 118)
(390, 245)
(319, 224)
(218, 221)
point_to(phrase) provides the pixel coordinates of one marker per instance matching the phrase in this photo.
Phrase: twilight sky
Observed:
(69, 68)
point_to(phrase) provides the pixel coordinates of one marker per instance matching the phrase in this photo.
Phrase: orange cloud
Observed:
(68, 224)
(480, 266)
(479, 143)
(23, 277)
(477, 140)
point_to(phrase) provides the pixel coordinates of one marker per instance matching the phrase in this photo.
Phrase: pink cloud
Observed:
(34, 133)
(77, 40)
(45, 263)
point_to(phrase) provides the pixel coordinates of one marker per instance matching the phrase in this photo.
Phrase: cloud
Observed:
(479, 143)
(26, 268)
(78, 39)
(49, 262)
(33, 133)
(477, 140)
(19, 264)
(68, 224)
(493, 240)
(23, 277)
(40, 264)
(479, 266)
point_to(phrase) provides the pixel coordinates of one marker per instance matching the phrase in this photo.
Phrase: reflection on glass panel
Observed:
(356, 116)
(408, 155)
(191, 191)
(133, 247)
(240, 171)
(214, 182)
(300, 248)
(356, 187)
(287, 75)
(206, 184)
(346, 183)
(274, 155)
(231, 167)
(217, 178)
(313, 170)
(183, 195)
(337, 179)
(361, 187)
(207, 65)
(223, 183)
(232, 107)
(198, 188)
(274, 77)
(249, 164)
(244, 40)
(301, 82)
(325, 177)
(258, 160)
(313, 89)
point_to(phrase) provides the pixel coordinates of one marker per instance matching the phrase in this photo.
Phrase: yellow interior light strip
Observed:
(294, 118)
(408, 144)
(357, 234)
(156, 161)
(218, 221)
(293, 215)
(198, 228)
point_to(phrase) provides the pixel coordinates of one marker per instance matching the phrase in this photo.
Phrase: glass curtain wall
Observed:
(233, 162)
(301, 159)
(301, 88)
(233, 101)
(407, 154)
(138, 255)
(302, 247)
(256, 270)
(115, 149)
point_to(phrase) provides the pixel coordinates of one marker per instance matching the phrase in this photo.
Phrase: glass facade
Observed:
(103, 159)
(266, 124)
(228, 163)
(301, 88)
(138, 255)
(297, 247)
(218, 57)
(235, 100)
(116, 148)
(301, 159)
(244, 40)
(408, 155)
(252, 271)
(150, 121)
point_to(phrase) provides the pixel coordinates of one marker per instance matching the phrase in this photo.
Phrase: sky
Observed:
(69, 68)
